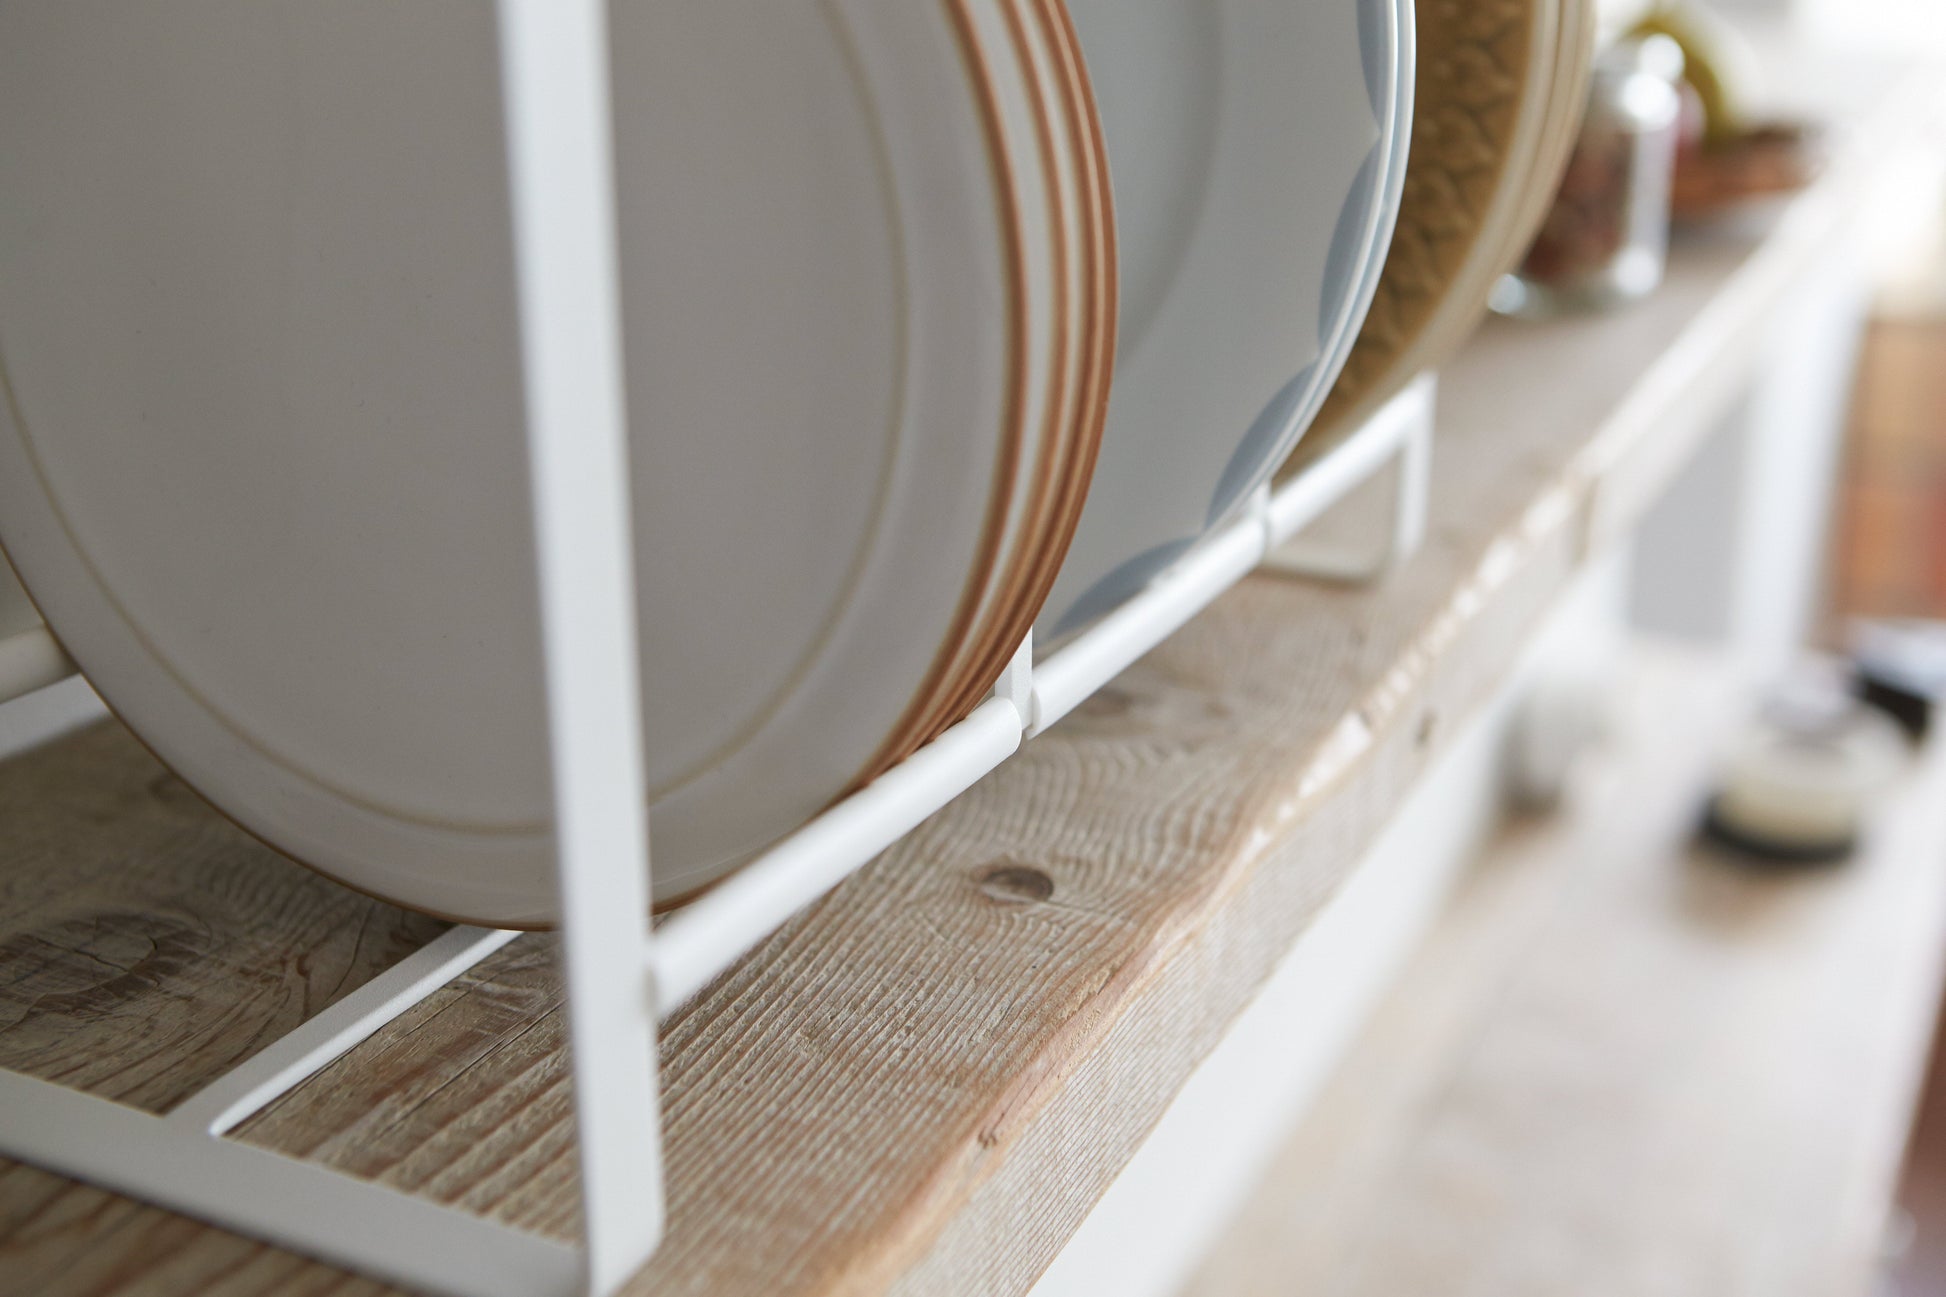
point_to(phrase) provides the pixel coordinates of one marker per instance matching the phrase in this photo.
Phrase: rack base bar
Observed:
(707, 936)
(1400, 433)
(1401, 430)
(299, 1205)
(288, 1061)
(1075, 671)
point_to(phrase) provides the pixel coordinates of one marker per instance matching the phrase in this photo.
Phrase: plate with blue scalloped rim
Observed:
(1256, 152)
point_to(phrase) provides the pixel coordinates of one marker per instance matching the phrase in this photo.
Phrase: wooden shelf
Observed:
(1623, 1062)
(924, 1082)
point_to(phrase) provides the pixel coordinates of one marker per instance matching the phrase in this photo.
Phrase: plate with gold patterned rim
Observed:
(1486, 72)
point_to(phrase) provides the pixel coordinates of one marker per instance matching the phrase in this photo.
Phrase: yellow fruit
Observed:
(1710, 63)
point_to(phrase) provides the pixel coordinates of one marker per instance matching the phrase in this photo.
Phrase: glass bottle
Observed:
(1606, 238)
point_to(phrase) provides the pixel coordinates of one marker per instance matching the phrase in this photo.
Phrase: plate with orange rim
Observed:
(260, 458)
(1076, 173)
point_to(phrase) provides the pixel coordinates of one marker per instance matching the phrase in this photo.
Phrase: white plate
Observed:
(1252, 151)
(261, 460)
(1396, 117)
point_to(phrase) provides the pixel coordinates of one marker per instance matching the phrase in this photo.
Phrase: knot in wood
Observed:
(1012, 883)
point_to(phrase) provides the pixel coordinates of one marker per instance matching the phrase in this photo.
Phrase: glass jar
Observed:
(1606, 238)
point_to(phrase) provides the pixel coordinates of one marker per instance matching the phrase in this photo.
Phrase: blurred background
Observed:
(1695, 1024)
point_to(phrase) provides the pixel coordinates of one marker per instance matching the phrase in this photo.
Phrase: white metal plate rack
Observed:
(621, 977)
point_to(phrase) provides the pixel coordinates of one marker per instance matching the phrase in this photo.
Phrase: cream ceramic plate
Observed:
(1573, 69)
(1487, 75)
(1251, 153)
(261, 462)
(1466, 304)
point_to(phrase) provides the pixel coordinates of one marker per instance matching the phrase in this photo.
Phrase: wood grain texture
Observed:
(924, 1082)
(1623, 1064)
(146, 946)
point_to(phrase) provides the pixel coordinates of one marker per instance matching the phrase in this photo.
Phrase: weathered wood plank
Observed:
(147, 946)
